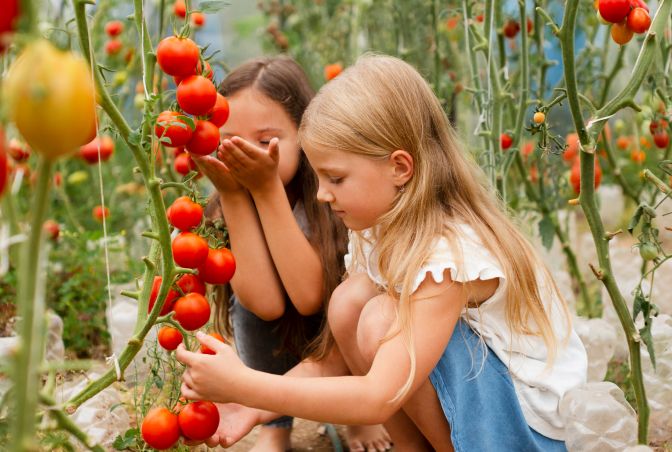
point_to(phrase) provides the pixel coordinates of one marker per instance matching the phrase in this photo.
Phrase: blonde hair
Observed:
(382, 104)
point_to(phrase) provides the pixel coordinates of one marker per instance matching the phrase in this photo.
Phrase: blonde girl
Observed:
(453, 330)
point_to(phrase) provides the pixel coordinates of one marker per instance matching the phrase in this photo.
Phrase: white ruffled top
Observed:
(539, 390)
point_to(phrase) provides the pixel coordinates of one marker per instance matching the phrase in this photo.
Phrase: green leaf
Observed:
(546, 231)
(637, 304)
(645, 334)
(634, 221)
(212, 6)
(130, 437)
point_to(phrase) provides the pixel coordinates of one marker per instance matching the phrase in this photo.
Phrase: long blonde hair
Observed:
(382, 104)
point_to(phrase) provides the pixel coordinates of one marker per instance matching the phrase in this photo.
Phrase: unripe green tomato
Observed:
(78, 177)
(139, 101)
(619, 126)
(120, 78)
(648, 251)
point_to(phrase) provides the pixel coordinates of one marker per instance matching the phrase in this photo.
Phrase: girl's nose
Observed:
(324, 195)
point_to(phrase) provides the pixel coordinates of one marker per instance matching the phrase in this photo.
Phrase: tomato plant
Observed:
(199, 420)
(192, 311)
(189, 250)
(218, 267)
(160, 428)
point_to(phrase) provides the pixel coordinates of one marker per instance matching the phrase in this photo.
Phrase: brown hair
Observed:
(282, 80)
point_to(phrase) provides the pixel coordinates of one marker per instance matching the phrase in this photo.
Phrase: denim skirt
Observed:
(479, 400)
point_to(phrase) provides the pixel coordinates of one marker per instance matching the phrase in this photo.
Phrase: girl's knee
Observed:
(375, 321)
(346, 303)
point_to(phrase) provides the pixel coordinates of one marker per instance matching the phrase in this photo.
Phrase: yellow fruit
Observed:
(51, 99)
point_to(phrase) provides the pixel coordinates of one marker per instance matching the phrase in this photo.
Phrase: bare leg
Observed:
(345, 309)
(273, 439)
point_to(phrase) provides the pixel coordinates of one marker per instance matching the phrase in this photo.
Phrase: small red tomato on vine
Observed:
(99, 213)
(539, 117)
(620, 33)
(199, 420)
(639, 20)
(89, 152)
(218, 267)
(180, 9)
(623, 142)
(332, 70)
(575, 176)
(196, 95)
(171, 296)
(114, 28)
(192, 311)
(511, 28)
(17, 151)
(205, 138)
(177, 56)
(572, 149)
(637, 156)
(197, 19)
(505, 141)
(169, 125)
(189, 250)
(52, 229)
(169, 337)
(184, 164)
(530, 26)
(191, 283)
(662, 139)
(220, 112)
(185, 214)
(614, 11)
(160, 428)
(206, 350)
(113, 47)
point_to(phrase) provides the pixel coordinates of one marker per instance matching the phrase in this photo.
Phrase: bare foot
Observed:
(368, 438)
(273, 439)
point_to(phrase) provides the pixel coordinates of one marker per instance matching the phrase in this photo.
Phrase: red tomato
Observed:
(52, 229)
(637, 156)
(17, 151)
(511, 28)
(218, 267)
(620, 33)
(191, 283)
(207, 351)
(480, 18)
(572, 149)
(623, 142)
(205, 138)
(169, 125)
(639, 20)
(199, 420)
(185, 214)
(530, 26)
(169, 337)
(184, 164)
(180, 9)
(177, 56)
(196, 95)
(170, 297)
(656, 123)
(197, 19)
(113, 46)
(89, 152)
(207, 73)
(114, 28)
(661, 138)
(192, 311)
(639, 4)
(332, 70)
(4, 170)
(575, 176)
(220, 112)
(99, 213)
(506, 141)
(8, 21)
(58, 179)
(189, 250)
(614, 11)
(160, 428)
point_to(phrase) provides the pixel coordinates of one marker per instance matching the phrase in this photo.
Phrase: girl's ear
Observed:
(402, 166)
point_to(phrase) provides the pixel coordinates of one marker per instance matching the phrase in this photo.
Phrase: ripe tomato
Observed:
(184, 164)
(8, 21)
(218, 267)
(206, 350)
(185, 214)
(50, 97)
(614, 11)
(99, 213)
(639, 20)
(620, 33)
(89, 152)
(658, 123)
(207, 73)
(170, 297)
(114, 28)
(205, 138)
(177, 56)
(189, 250)
(623, 142)
(575, 176)
(572, 149)
(113, 46)
(52, 229)
(4, 171)
(58, 179)
(505, 141)
(169, 125)
(196, 95)
(192, 311)
(220, 112)
(332, 70)
(160, 428)
(180, 9)
(17, 151)
(169, 337)
(527, 149)
(199, 420)
(637, 156)
(197, 19)
(539, 117)
(191, 283)
(661, 138)
(511, 28)
(530, 26)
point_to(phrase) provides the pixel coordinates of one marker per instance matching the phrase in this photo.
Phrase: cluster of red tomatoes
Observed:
(180, 10)
(626, 16)
(196, 96)
(197, 421)
(113, 29)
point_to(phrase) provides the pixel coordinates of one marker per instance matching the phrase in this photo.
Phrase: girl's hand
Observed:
(218, 173)
(235, 422)
(210, 377)
(253, 167)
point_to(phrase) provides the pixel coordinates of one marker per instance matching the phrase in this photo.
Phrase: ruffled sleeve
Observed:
(352, 265)
(475, 262)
